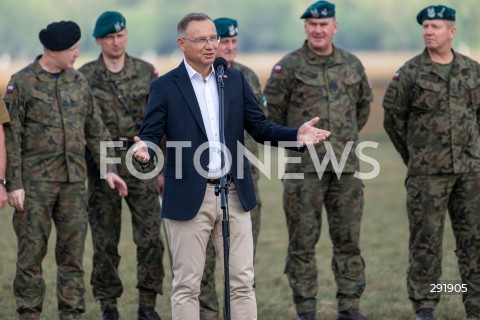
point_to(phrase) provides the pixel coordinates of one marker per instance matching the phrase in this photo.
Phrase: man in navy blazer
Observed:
(183, 105)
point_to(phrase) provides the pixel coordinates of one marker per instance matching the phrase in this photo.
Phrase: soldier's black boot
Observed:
(147, 313)
(425, 314)
(110, 313)
(350, 314)
(312, 315)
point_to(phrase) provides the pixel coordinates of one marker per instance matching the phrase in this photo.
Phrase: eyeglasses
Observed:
(204, 41)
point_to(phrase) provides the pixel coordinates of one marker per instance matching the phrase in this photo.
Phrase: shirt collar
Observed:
(192, 74)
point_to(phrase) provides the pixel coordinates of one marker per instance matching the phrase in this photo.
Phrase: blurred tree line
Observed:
(267, 25)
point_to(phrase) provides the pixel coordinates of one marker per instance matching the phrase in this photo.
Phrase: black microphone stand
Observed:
(222, 190)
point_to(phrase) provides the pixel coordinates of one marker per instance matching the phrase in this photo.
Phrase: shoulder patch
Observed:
(10, 88)
(155, 73)
(264, 102)
(396, 75)
(390, 95)
(277, 68)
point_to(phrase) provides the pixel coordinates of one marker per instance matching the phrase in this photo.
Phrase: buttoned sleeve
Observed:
(96, 132)
(277, 93)
(363, 105)
(396, 104)
(14, 132)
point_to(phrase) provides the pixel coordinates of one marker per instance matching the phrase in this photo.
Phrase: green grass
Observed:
(384, 247)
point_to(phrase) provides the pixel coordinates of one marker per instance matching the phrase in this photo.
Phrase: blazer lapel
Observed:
(185, 86)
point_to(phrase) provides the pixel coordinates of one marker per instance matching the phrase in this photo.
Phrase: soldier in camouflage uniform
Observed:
(120, 85)
(227, 29)
(4, 118)
(52, 116)
(322, 80)
(432, 115)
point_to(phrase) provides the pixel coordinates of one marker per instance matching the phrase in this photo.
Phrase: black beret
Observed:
(439, 12)
(109, 22)
(226, 27)
(320, 9)
(58, 36)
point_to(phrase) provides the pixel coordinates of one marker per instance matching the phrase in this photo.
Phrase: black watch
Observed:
(3, 182)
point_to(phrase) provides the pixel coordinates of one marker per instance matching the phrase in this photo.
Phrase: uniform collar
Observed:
(459, 63)
(67, 75)
(128, 71)
(310, 57)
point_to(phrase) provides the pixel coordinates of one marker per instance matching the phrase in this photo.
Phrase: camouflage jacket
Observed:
(335, 88)
(254, 83)
(432, 120)
(51, 120)
(4, 117)
(133, 82)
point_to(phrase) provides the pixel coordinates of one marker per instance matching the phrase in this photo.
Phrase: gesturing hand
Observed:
(308, 134)
(140, 150)
(16, 199)
(115, 182)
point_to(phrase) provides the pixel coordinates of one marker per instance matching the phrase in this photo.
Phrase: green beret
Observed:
(58, 36)
(319, 10)
(226, 27)
(109, 22)
(436, 13)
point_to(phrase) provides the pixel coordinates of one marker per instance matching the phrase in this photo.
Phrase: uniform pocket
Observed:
(414, 201)
(307, 94)
(41, 109)
(427, 97)
(351, 83)
(291, 195)
(140, 95)
(75, 114)
(290, 185)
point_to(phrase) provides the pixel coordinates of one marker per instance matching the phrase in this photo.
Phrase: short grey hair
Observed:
(194, 16)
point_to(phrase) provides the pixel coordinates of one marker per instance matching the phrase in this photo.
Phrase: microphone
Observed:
(220, 65)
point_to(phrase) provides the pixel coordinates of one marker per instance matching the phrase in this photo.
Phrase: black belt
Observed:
(217, 181)
(127, 143)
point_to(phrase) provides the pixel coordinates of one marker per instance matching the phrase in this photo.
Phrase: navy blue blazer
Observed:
(173, 110)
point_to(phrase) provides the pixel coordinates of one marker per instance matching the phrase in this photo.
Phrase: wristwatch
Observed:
(3, 182)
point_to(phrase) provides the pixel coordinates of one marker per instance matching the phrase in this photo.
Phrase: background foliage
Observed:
(269, 25)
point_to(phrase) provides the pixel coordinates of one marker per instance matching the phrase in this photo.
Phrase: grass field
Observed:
(384, 240)
(384, 246)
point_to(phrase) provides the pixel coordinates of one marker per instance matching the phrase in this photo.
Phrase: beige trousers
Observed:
(188, 244)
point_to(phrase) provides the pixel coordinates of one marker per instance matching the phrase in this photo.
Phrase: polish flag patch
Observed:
(277, 68)
(10, 89)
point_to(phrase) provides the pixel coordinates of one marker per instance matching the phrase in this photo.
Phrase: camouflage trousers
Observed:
(63, 204)
(428, 200)
(209, 306)
(105, 207)
(303, 201)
